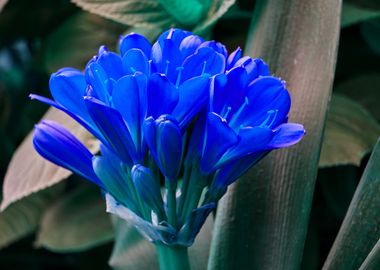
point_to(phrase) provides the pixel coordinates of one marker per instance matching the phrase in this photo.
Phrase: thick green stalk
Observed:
(173, 257)
(171, 188)
(262, 221)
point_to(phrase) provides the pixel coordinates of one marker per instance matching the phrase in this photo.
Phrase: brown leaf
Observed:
(28, 172)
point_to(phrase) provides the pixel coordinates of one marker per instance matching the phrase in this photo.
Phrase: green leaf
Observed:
(217, 9)
(133, 252)
(352, 14)
(153, 14)
(138, 13)
(262, 221)
(369, 94)
(350, 133)
(76, 222)
(360, 229)
(23, 217)
(370, 31)
(28, 172)
(372, 262)
(76, 40)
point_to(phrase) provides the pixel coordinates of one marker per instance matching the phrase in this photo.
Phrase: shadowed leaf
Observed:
(23, 217)
(76, 222)
(372, 262)
(369, 94)
(77, 39)
(370, 31)
(360, 229)
(351, 132)
(352, 14)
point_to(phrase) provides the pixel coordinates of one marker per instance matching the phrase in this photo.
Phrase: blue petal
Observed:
(111, 64)
(164, 139)
(229, 173)
(193, 96)
(265, 95)
(129, 98)
(89, 125)
(174, 34)
(251, 140)
(256, 68)
(58, 145)
(204, 61)
(218, 93)
(219, 137)
(189, 45)
(162, 95)
(135, 60)
(286, 135)
(132, 41)
(97, 78)
(166, 58)
(68, 86)
(148, 187)
(216, 46)
(114, 130)
(233, 58)
(236, 88)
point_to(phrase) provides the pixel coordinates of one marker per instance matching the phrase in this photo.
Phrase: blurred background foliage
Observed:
(55, 224)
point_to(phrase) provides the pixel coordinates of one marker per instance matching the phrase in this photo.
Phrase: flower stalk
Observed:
(173, 257)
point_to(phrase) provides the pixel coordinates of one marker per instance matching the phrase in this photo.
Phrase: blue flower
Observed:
(178, 121)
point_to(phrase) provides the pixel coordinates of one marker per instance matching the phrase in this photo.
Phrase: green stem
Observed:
(173, 257)
(171, 201)
(184, 191)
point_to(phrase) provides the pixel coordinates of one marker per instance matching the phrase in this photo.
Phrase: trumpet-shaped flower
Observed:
(176, 119)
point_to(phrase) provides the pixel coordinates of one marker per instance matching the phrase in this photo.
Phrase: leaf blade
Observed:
(359, 231)
(68, 224)
(351, 132)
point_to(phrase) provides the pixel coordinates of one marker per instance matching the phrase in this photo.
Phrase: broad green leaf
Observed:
(360, 229)
(77, 39)
(372, 262)
(133, 252)
(352, 14)
(350, 133)
(217, 9)
(138, 13)
(369, 94)
(28, 172)
(23, 217)
(76, 221)
(370, 31)
(161, 14)
(262, 221)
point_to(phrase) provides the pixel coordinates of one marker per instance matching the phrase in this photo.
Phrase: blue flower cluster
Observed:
(178, 122)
